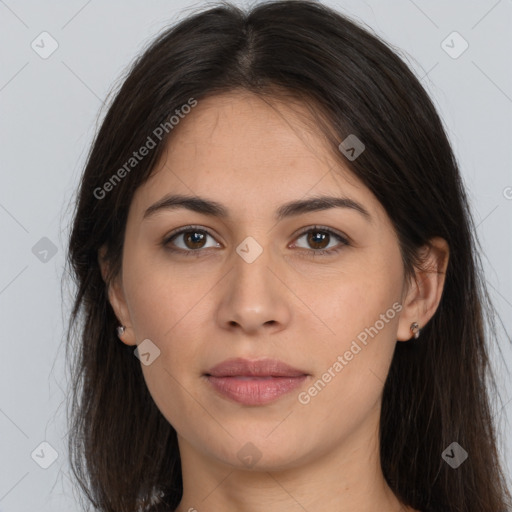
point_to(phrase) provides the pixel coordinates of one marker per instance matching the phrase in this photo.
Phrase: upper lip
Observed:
(257, 368)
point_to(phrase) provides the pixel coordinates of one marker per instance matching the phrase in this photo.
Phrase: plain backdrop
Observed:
(50, 109)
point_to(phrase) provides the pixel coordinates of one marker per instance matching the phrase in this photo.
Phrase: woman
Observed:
(272, 222)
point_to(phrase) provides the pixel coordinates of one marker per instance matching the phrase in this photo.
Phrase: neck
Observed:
(342, 480)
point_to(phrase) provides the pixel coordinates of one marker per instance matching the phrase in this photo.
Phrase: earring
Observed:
(120, 330)
(415, 329)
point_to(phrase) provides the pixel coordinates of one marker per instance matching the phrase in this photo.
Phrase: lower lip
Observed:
(255, 391)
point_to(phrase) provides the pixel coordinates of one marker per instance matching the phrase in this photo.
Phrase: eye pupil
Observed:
(197, 237)
(315, 240)
(194, 239)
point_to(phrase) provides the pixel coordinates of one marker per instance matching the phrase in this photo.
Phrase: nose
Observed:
(254, 298)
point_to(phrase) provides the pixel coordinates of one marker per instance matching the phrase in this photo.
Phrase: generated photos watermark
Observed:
(137, 156)
(342, 360)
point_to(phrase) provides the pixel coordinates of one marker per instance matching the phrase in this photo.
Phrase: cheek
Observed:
(166, 307)
(361, 297)
(159, 294)
(351, 366)
(162, 310)
(365, 325)
(170, 318)
(362, 313)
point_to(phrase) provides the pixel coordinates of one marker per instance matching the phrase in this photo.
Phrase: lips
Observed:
(260, 368)
(254, 382)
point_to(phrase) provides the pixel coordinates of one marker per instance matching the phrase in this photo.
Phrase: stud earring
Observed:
(415, 329)
(120, 330)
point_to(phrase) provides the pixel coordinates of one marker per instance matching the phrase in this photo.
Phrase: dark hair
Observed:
(122, 449)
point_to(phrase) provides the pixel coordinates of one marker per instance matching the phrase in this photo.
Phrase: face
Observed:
(252, 285)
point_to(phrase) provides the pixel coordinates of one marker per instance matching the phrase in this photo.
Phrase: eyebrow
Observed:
(215, 209)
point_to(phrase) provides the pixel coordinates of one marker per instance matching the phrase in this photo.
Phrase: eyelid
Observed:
(345, 240)
(319, 227)
(182, 229)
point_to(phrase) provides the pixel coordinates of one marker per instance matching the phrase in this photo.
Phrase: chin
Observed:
(261, 454)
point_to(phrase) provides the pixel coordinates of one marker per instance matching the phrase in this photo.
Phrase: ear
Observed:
(117, 299)
(425, 288)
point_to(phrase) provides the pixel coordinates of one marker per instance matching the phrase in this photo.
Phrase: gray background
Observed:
(49, 113)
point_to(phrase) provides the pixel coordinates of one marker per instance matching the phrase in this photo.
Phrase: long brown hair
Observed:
(122, 450)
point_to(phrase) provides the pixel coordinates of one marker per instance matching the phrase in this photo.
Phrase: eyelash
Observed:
(310, 252)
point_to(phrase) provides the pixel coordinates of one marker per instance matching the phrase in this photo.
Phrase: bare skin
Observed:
(320, 453)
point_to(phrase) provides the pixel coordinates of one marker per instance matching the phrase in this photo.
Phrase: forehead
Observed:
(238, 147)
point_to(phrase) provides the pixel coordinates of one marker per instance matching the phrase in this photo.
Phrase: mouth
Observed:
(254, 382)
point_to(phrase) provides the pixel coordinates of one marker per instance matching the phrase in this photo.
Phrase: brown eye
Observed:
(318, 240)
(194, 239)
(191, 240)
(188, 240)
